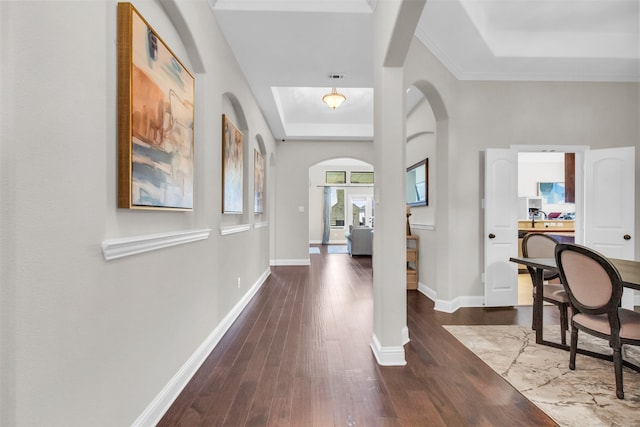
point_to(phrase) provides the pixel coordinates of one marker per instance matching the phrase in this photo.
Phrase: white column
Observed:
(394, 25)
(389, 259)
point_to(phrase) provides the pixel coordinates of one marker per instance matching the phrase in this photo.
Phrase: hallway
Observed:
(299, 356)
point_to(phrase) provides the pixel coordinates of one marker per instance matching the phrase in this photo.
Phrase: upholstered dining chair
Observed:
(595, 290)
(538, 245)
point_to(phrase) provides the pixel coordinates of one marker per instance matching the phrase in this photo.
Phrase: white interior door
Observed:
(501, 228)
(361, 210)
(609, 204)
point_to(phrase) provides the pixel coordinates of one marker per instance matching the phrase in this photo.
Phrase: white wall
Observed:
(86, 341)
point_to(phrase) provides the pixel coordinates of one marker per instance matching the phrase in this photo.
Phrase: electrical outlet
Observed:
(238, 283)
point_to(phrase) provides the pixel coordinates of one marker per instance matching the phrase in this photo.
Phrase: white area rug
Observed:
(581, 398)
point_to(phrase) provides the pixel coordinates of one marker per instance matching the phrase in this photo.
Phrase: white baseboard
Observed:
(405, 336)
(387, 356)
(154, 412)
(450, 306)
(458, 302)
(427, 291)
(276, 262)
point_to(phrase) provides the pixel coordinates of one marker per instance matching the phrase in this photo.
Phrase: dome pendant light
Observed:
(334, 99)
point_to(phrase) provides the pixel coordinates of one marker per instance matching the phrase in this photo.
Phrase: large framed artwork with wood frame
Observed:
(155, 119)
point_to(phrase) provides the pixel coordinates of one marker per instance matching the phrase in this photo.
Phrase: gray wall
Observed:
(421, 144)
(90, 342)
(86, 341)
(292, 192)
(488, 114)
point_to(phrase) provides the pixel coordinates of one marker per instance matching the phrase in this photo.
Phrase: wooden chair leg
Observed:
(533, 317)
(564, 323)
(574, 346)
(617, 366)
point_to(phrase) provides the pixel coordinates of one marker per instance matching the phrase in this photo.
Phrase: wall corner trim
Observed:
(262, 224)
(127, 246)
(450, 306)
(387, 356)
(405, 336)
(232, 229)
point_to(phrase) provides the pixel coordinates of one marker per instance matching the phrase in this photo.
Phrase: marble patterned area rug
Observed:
(581, 398)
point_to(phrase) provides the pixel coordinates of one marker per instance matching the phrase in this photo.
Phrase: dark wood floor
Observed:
(299, 355)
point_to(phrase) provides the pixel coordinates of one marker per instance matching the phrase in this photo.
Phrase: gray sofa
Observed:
(359, 240)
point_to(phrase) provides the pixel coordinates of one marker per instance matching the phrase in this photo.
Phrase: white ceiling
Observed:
(288, 49)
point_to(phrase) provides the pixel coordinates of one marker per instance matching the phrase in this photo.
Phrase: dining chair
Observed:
(595, 290)
(538, 245)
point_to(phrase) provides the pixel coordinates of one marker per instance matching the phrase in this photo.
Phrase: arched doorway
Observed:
(341, 185)
(428, 137)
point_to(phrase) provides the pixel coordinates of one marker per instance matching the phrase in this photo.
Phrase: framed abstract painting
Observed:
(155, 119)
(232, 167)
(258, 182)
(552, 192)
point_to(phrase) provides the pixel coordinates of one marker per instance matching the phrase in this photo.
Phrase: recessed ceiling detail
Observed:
(538, 40)
(290, 50)
(296, 105)
(557, 29)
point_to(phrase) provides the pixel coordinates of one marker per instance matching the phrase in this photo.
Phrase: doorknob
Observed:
(626, 237)
(493, 236)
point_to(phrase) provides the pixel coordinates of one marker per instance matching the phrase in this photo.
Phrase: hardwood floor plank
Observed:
(299, 355)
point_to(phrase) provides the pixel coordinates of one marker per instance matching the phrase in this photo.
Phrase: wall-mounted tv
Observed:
(417, 184)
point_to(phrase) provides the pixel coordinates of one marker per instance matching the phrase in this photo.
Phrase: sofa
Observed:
(359, 240)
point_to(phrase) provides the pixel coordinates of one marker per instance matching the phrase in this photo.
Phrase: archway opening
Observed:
(340, 196)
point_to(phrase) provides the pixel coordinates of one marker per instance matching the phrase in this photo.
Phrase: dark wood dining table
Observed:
(629, 272)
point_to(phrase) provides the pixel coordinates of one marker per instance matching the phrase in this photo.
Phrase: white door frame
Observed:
(511, 298)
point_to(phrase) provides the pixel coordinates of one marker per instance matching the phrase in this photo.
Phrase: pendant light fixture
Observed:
(334, 99)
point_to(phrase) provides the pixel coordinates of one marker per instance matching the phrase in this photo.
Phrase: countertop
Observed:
(562, 230)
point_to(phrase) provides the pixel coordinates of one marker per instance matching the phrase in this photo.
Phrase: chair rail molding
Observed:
(418, 226)
(232, 229)
(127, 246)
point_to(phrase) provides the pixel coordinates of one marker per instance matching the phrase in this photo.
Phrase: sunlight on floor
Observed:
(525, 289)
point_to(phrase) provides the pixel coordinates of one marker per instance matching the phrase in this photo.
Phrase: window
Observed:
(336, 177)
(337, 207)
(361, 178)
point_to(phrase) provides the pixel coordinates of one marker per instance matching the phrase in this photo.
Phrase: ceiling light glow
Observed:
(334, 99)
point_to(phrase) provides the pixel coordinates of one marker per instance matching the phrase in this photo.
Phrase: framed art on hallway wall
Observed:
(232, 167)
(258, 182)
(155, 119)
